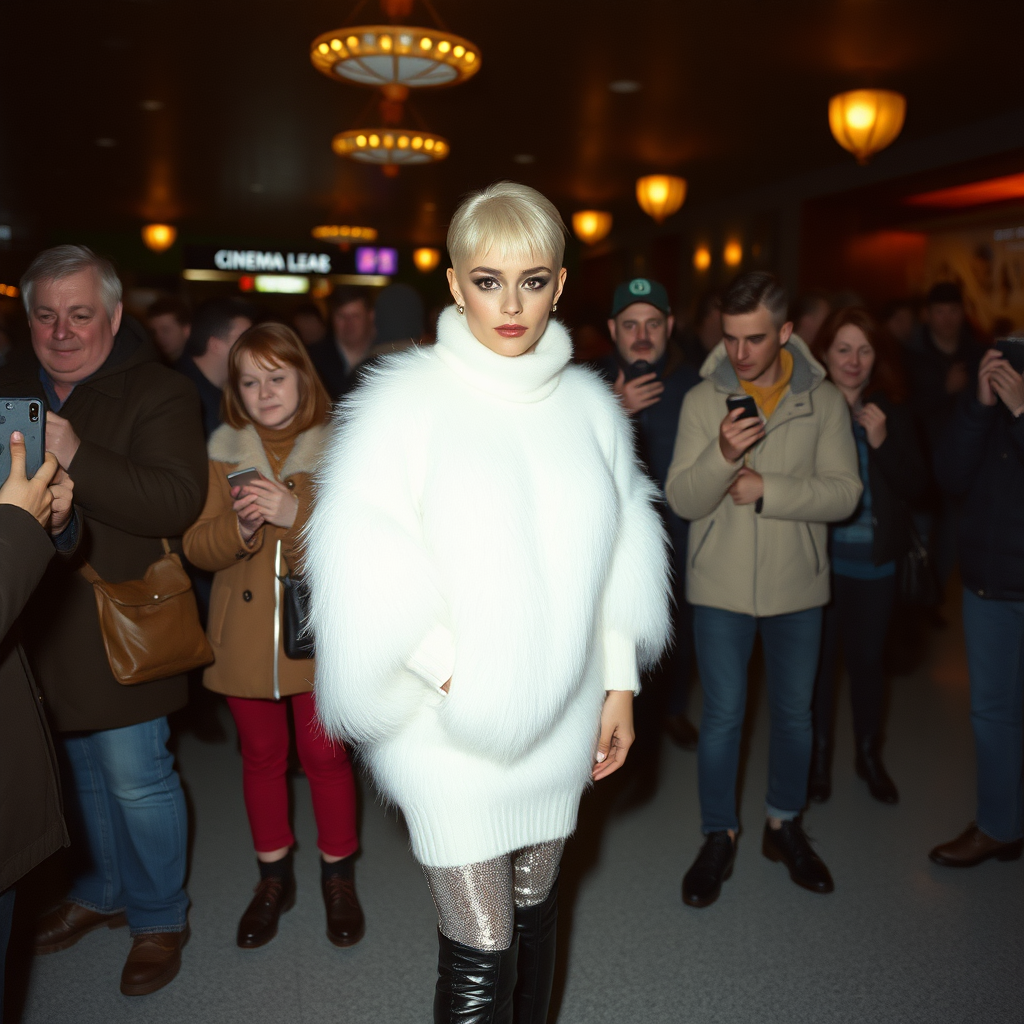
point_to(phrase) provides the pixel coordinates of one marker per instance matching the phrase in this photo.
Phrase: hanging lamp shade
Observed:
(590, 226)
(426, 259)
(701, 258)
(660, 195)
(390, 146)
(865, 121)
(159, 237)
(732, 254)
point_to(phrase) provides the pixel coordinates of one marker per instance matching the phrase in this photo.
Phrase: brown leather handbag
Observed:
(150, 626)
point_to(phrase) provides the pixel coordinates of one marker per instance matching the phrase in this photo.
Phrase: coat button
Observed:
(246, 595)
(290, 484)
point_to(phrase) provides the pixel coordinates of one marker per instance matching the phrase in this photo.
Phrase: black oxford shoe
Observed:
(790, 845)
(870, 768)
(345, 922)
(702, 884)
(273, 897)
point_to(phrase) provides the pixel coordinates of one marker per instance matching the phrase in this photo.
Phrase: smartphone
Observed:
(745, 402)
(638, 369)
(241, 477)
(29, 416)
(1013, 349)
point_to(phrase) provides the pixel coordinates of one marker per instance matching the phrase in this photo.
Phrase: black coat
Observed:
(31, 825)
(898, 475)
(979, 460)
(927, 367)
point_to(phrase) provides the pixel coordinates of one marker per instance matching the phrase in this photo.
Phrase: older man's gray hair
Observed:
(63, 261)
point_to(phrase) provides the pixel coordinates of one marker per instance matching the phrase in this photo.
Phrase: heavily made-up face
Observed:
(850, 358)
(270, 394)
(508, 299)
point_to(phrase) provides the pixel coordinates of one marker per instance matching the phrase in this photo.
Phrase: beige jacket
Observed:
(775, 561)
(246, 596)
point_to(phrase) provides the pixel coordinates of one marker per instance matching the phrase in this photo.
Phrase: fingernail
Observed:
(600, 756)
(17, 436)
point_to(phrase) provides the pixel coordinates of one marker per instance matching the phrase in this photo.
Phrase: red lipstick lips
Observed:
(511, 330)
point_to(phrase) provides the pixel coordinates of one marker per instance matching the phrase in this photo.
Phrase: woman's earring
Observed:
(554, 307)
(461, 309)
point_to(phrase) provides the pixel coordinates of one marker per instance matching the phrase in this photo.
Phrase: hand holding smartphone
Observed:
(25, 415)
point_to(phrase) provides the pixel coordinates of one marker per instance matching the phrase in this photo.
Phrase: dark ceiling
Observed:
(208, 112)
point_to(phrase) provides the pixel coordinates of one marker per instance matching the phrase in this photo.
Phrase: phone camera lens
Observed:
(9, 405)
(33, 412)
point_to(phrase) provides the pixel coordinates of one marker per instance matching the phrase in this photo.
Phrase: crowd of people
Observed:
(794, 472)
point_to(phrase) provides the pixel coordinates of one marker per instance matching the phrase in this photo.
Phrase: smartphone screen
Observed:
(241, 477)
(29, 416)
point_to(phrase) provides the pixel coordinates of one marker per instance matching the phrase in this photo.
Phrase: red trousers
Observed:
(263, 732)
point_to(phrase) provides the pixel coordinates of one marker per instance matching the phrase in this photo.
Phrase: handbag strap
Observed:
(94, 577)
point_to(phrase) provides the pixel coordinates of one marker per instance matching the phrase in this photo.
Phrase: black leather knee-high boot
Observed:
(536, 927)
(474, 986)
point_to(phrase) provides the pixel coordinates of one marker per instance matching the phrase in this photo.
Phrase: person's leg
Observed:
(819, 786)
(994, 631)
(150, 824)
(535, 877)
(724, 641)
(869, 608)
(680, 676)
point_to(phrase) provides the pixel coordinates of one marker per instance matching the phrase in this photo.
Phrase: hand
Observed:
(638, 394)
(61, 439)
(747, 487)
(278, 505)
(956, 379)
(250, 518)
(62, 490)
(1003, 381)
(872, 419)
(616, 733)
(32, 495)
(735, 435)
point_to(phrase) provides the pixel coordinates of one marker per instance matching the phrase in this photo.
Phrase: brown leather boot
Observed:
(345, 922)
(63, 926)
(972, 847)
(274, 896)
(153, 962)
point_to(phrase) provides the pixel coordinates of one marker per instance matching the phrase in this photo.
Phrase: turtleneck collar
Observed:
(525, 378)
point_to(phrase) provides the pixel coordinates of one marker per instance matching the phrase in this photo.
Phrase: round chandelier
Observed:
(390, 146)
(344, 233)
(865, 121)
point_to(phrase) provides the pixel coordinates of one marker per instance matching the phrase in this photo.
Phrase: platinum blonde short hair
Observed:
(65, 260)
(515, 218)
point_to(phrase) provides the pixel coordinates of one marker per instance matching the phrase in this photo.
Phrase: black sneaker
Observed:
(702, 884)
(791, 846)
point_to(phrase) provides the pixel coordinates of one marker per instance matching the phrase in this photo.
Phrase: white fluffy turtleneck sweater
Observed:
(482, 518)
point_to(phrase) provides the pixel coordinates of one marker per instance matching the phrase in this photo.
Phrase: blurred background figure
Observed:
(6, 345)
(864, 363)
(900, 320)
(308, 323)
(705, 331)
(398, 315)
(809, 313)
(169, 322)
(348, 343)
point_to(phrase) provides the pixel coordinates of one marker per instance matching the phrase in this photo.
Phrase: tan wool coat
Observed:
(245, 589)
(774, 561)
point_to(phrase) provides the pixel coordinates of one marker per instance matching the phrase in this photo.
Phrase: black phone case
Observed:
(743, 402)
(16, 414)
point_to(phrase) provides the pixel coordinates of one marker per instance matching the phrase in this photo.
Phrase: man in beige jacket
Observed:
(759, 491)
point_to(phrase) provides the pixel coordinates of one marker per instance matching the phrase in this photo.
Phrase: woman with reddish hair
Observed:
(275, 413)
(863, 362)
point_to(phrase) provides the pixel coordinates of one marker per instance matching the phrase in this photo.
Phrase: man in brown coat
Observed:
(31, 824)
(128, 432)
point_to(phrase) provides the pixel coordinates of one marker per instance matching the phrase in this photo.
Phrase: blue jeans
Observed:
(994, 631)
(132, 824)
(724, 642)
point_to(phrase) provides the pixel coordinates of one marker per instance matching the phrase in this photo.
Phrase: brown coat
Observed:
(245, 592)
(140, 474)
(31, 826)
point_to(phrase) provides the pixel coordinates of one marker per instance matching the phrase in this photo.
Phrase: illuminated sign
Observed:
(375, 260)
(258, 261)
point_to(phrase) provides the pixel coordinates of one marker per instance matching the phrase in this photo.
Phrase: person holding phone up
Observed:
(33, 512)
(759, 490)
(275, 414)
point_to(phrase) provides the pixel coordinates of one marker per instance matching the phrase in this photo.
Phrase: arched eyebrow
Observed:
(498, 273)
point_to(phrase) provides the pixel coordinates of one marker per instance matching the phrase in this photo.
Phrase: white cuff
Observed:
(434, 660)
(620, 671)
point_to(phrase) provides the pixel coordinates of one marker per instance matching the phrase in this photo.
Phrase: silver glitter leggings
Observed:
(476, 902)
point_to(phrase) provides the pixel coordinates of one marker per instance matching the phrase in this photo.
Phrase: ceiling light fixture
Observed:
(390, 147)
(865, 121)
(591, 226)
(701, 258)
(426, 259)
(159, 237)
(732, 253)
(344, 233)
(624, 86)
(660, 195)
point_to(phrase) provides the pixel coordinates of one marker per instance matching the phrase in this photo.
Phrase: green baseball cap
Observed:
(641, 289)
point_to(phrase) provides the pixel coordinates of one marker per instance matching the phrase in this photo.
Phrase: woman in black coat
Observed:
(862, 361)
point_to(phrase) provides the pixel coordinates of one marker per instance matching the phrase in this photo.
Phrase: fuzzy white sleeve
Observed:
(377, 615)
(635, 618)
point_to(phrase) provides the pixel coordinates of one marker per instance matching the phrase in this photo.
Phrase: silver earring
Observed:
(554, 307)
(461, 309)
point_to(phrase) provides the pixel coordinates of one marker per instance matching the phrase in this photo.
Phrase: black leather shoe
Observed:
(870, 768)
(274, 896)
(535, 968)
(819, 785)
(345, 922)
(474, 986)
(682, 732)
(702, 884)
(790, 845)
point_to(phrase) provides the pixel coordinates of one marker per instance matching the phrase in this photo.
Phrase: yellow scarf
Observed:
(768, 398)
